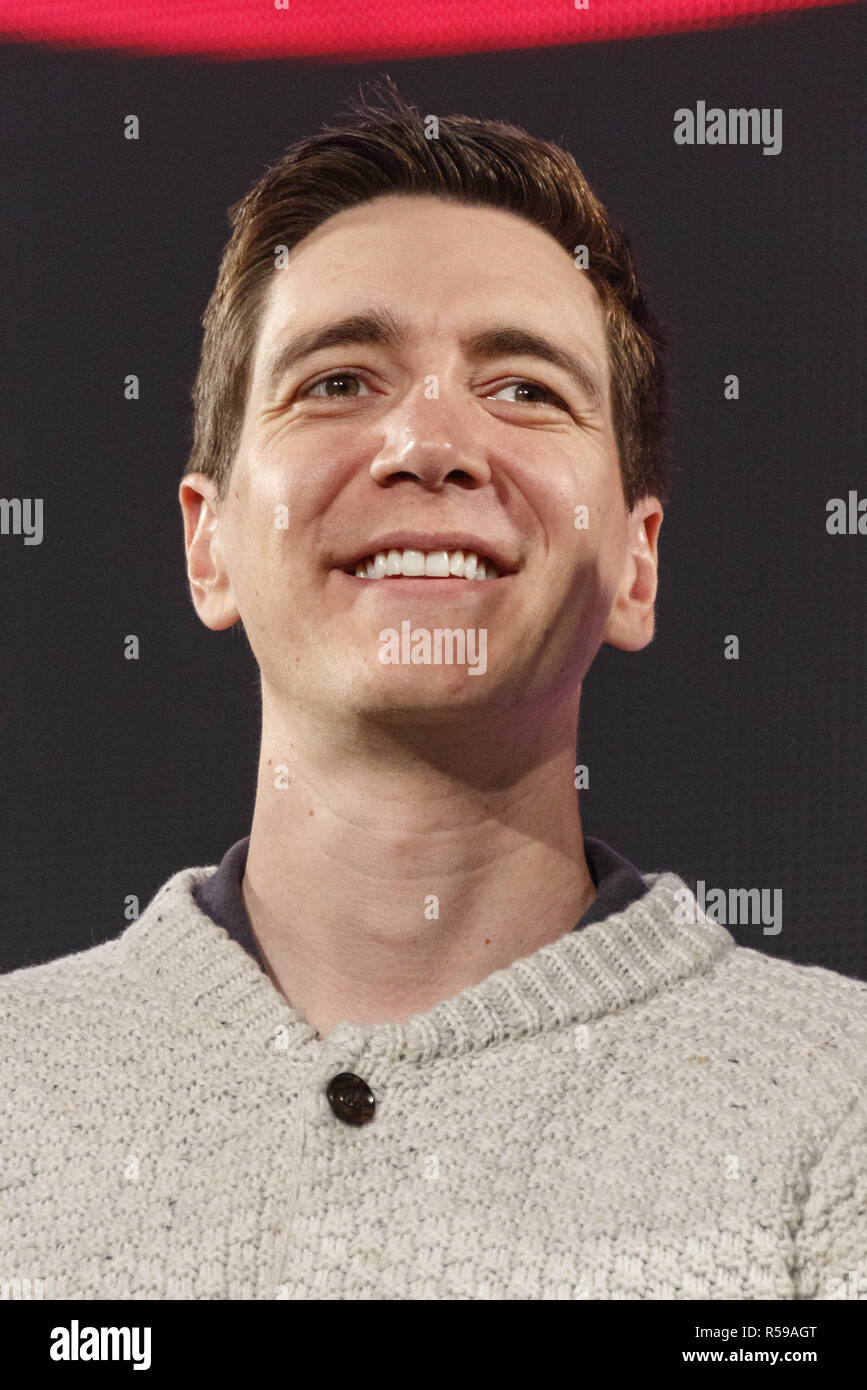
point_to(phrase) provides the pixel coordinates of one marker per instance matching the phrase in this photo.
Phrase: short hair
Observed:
(381, 148)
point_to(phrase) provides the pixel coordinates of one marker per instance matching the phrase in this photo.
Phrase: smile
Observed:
(420, 564)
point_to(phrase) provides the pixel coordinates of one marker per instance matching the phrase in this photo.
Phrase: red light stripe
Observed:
(348, 29)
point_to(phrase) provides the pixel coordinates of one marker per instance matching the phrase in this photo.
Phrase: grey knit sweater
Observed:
(639, 1110)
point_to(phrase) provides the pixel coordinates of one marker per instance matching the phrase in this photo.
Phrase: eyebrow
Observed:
(381, 328)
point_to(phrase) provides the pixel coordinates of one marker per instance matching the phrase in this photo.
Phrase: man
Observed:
(418, 1037)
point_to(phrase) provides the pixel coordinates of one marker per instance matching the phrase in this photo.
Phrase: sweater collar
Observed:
(177, 952)
(221, 896)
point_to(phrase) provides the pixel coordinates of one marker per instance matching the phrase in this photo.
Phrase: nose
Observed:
(433, 441)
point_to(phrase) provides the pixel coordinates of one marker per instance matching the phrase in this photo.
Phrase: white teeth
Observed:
(435, 564)
(412, 564)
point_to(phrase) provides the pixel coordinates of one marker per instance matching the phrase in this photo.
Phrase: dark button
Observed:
(351, 1099)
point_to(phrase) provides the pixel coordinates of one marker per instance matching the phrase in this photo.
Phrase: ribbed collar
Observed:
(178, 953)
(221, 896)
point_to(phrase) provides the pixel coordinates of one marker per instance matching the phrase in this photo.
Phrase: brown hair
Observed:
(380, 149)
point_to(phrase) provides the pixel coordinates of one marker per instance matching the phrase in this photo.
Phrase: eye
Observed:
(531, 393)
(336, 386)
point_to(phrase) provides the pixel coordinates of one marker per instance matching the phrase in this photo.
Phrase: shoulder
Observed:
(794, 1037)
(57, 983)
(87, 1002)
(807, 1001)
(55, 1018)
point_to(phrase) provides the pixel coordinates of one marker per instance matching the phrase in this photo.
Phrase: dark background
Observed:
(748, 773)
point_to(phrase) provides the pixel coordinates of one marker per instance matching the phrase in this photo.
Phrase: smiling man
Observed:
(417, 1036)
(429, 402)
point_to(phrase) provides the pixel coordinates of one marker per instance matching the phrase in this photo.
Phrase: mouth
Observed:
(436, 564)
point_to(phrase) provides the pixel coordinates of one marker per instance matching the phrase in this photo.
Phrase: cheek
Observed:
(564, 479)
(307, 468)
(586, 534)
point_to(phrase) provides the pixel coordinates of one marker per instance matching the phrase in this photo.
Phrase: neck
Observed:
(392, 868)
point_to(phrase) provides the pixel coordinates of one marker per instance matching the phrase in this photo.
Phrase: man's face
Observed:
(432, 422)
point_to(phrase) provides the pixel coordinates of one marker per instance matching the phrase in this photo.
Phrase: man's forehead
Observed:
(420, 241)
(476, 225)
(323, 283)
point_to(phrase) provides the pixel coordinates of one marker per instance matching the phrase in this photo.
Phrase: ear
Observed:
(210, 586)
(631, 620)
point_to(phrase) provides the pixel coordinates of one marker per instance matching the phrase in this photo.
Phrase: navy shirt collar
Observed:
(618, 883)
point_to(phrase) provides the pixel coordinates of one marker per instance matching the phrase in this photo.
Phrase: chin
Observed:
(421, 695)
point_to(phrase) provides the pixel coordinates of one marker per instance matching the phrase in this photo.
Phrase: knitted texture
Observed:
(639, 1110)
